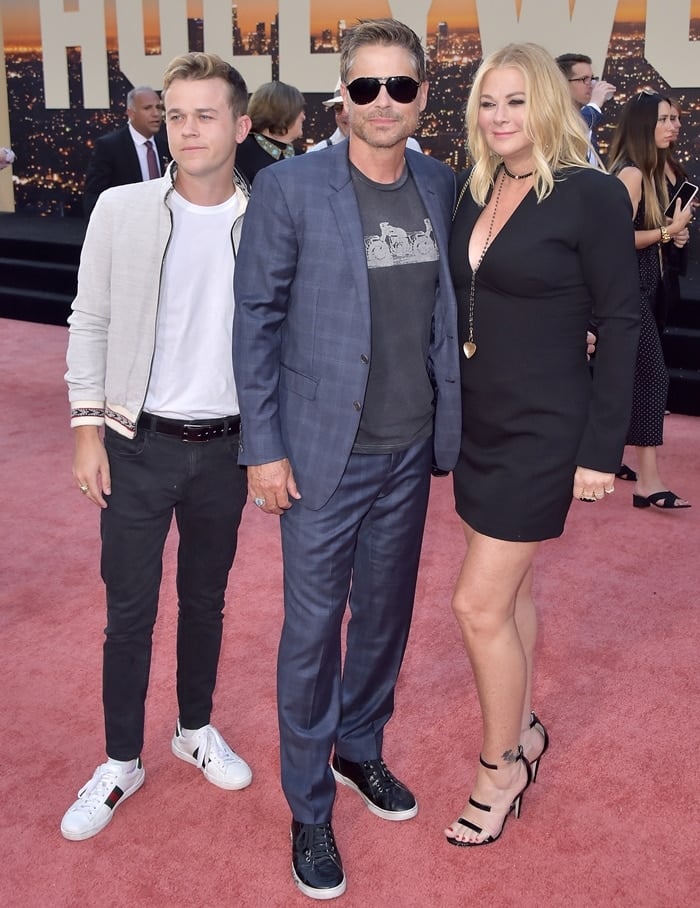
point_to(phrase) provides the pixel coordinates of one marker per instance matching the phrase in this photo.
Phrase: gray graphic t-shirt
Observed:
(402, 264)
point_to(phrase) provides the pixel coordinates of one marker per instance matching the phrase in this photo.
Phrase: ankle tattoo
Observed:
(511, 756)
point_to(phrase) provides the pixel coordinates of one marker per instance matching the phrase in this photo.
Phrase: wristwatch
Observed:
(665, 235)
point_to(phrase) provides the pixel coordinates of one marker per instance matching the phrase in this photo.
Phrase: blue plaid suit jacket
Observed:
(302, 318)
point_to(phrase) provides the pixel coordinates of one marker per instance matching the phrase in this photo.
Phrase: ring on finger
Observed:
(84, 489)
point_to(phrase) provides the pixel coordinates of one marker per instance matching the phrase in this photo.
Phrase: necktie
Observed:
(153, 171)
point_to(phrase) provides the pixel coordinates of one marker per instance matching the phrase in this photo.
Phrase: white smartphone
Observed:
(686, 193)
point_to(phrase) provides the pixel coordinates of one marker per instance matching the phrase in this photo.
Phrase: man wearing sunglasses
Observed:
(588, 94)
(345, 359)
(335, 103)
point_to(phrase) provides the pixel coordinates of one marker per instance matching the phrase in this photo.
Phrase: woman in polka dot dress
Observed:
(637, 157)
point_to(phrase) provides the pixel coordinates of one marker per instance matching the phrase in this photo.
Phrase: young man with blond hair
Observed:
(154, 410)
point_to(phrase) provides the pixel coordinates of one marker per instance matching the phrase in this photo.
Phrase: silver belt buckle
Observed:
(202, 431)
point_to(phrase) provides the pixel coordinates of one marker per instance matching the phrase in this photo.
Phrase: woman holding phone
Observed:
(637, 156)
(675, 260)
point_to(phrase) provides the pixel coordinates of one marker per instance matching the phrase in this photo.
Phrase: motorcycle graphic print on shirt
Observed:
(396, 246)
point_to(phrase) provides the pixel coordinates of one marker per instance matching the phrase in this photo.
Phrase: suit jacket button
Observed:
(364, 358)
(357, 405)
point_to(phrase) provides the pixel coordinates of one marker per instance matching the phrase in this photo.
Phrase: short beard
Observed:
(382, 139)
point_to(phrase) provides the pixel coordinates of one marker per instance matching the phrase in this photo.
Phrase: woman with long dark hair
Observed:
(638, 156)
(675, 258)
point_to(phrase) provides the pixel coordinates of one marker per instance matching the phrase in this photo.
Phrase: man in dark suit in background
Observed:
(346, 364)
(588, 94)
(123, 156)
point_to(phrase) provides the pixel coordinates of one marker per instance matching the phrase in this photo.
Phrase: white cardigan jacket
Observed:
(113, 318)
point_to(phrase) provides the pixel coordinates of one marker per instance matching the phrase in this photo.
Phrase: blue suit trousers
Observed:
(361, 548)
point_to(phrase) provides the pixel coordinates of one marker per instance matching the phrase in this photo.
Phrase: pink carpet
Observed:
(613, 819)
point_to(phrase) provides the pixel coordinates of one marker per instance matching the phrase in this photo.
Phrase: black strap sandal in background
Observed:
(665, 501)
(627, 473)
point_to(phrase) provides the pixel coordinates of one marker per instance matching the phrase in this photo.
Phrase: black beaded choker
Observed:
(516, 176)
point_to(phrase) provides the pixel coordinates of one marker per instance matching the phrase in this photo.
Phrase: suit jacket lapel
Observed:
(433, 206)
(344, 204)
(133, 156)
(163, 153)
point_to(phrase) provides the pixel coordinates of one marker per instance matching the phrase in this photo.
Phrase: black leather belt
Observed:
(196, 431)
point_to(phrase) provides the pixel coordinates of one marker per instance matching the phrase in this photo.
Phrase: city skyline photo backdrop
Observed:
(53, 144)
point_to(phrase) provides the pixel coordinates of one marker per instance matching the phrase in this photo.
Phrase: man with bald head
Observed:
(123, 156)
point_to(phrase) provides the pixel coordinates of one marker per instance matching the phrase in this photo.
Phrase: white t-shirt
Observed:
(192, 371)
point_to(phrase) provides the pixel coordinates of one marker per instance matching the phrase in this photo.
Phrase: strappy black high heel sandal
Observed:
(535, 764)
(515, 808)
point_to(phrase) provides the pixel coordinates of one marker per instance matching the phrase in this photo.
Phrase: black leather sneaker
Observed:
(378, 787)
(316, 865)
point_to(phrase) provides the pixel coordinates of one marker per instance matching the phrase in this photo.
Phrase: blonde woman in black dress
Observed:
(541, 244)
(638, 152)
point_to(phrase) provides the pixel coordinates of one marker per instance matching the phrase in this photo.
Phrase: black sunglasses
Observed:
(399, 88)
